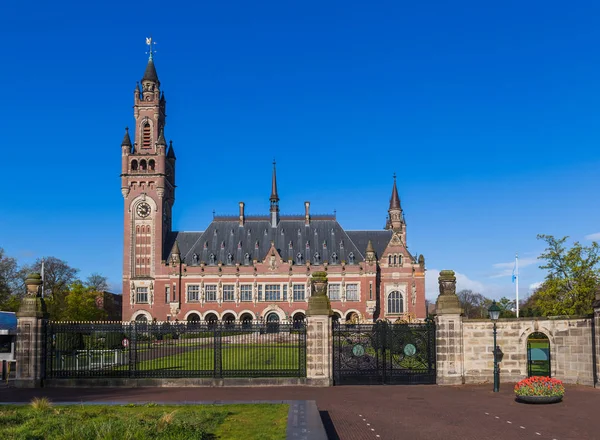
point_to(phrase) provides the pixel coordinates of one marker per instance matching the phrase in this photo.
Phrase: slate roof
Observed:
(150, 73)
(8, 321)
(322, 240)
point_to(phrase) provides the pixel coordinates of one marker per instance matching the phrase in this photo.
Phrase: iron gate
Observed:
(384, 353)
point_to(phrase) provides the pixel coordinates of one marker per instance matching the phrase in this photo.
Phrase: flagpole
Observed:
(42, 277)
(517, 281)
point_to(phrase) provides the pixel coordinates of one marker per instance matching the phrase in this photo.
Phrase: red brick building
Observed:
(242, 267)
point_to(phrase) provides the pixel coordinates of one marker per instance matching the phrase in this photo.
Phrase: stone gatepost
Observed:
(449, 344)
(319, 337)
(596, 339)
(30, 335)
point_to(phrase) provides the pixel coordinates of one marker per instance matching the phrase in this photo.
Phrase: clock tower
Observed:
(148, 187)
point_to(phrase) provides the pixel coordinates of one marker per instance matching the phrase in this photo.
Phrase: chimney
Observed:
(242, 217)
(306, 213)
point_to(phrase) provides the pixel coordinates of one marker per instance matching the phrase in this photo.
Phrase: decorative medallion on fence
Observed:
(384, 353)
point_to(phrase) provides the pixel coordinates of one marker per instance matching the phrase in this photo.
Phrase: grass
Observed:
(233, 357)
(141, 422)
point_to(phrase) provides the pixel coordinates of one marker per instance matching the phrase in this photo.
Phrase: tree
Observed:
(80, 304)
(12, 283)
(58, 276)
(97, 282)
(572, 278)
(507, 307)
(473, 304)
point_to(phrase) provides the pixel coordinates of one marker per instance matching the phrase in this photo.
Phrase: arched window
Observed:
(394, 259)
(399, 259)
(390, 260)
(146, 135)
(193, 317)
(211, 320)
(151, 164)
(395, 303)
(143, 165)
(134, 165)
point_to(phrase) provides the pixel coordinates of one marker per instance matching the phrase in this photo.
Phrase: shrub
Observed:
(540, 386)
(69, 341)
(41, 404)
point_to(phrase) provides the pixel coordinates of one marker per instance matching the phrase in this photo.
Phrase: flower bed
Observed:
(541, 389)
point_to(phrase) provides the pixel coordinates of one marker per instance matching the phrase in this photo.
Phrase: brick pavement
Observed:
(389, 412)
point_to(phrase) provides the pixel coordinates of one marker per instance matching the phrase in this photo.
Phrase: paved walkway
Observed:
(389, 412)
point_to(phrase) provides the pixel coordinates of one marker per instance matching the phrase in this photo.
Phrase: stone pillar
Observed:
(449, 343)
(30, 335)
(319, 337)
(596, 339)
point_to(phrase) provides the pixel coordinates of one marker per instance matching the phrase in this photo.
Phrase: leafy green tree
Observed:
(80, 304)
(572, 278)
(507, 307)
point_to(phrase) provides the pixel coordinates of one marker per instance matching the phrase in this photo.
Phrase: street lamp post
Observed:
(494, 312)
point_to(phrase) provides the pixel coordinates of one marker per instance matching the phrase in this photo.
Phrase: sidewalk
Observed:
(426, 412)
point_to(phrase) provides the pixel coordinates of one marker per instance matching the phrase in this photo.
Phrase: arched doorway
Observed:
(229, 319)
(246, 319)
(298, 320)
(538, 355)
(141, 318)
(211, 320)
(336, 318)
(272, 323)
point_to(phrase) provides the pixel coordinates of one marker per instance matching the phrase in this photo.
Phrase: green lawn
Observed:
(246, 357)
(141, 422)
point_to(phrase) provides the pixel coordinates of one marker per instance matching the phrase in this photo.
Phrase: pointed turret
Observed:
(274, 199)
(161, 138)
(370, 254)
(175, 254)
(126, 139)
(150, 73)
(171, 152)
(395, 200)
(395, 219)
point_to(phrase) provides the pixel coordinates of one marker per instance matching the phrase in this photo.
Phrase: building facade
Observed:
(249, 267)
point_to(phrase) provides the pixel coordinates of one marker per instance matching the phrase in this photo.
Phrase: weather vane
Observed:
(149, 42)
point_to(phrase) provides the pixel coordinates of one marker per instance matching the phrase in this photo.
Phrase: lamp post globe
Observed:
(494, 312)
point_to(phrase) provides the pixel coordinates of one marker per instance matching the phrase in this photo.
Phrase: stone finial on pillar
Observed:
(30, 326)
(447, 302)
(319, 337)
(448, 336)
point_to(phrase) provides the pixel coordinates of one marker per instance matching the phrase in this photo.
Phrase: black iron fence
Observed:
(384, 353)
(174, 349)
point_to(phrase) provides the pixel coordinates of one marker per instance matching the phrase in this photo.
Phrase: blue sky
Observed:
(487, 113)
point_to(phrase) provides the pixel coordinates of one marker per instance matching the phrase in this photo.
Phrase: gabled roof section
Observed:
(379, 240)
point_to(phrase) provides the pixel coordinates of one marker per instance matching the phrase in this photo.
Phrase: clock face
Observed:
(143, 210)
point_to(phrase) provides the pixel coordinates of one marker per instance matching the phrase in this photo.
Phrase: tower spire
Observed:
(274, 199)
(395, 200)
(126, 139)
(395, 220)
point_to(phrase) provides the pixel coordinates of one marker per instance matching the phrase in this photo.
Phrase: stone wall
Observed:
(570, 348)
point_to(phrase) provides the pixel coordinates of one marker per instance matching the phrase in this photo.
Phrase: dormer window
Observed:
(211, 259)
(351, 258)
